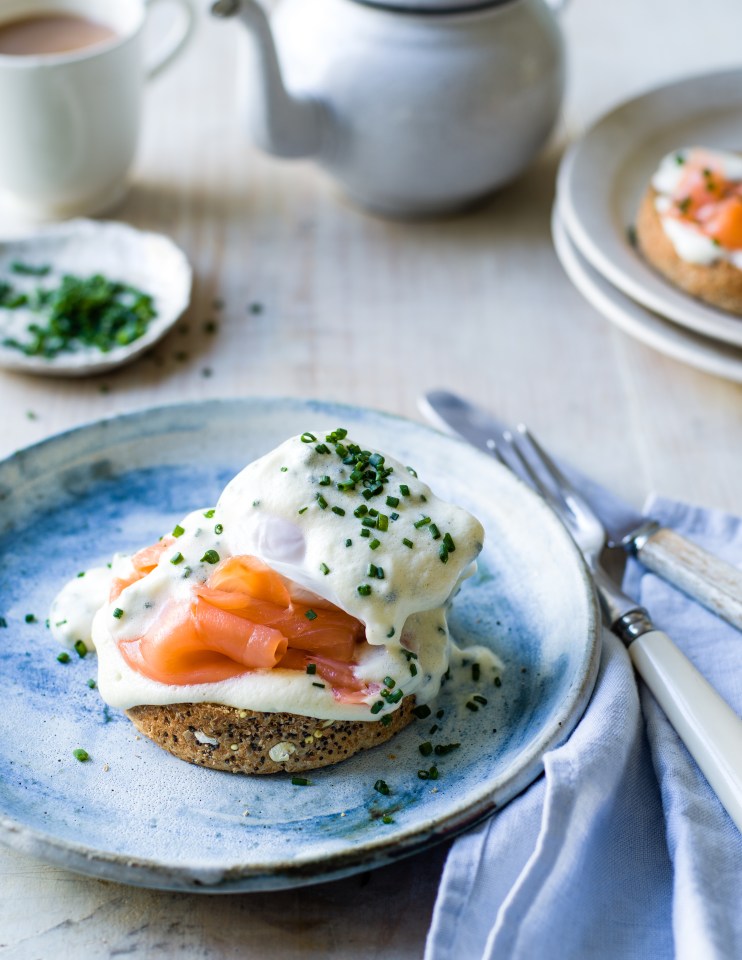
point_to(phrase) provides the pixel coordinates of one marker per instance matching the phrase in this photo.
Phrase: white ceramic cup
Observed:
(70, 121)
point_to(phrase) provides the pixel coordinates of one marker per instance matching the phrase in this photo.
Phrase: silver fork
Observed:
(705, 722)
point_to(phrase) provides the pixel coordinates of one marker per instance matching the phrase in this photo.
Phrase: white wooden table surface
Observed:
(477, 303)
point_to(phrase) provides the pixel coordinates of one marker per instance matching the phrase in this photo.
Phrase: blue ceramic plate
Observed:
(135, 814)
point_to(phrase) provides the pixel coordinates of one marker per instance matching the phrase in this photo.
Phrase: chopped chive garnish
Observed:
(394, 516)
(369, 522)
(118, 613)
(80, 649)
(339, 511)
(310, 615)
(324, 568)
(360, 511)
(348, 542)
(386, 719)
(443, 748)
(92, 684)
(345, 485)
(426, 748)
(480, 699)
(413, 670)
(320, 685)
(63, 657)
(392, 501)
(209, 514)
(364, 589)
(341, 433)
(374, 545)
(382, 787)
(471, 706)
(308, 437)
(81, 755)
(211, 556)
(404, 490)
(303, 510)
(284, 469)
(177, 558)
(321, 501)
(372, 568)
(218, 529)
(30, 618)
(373, 513)
(443, 553)
(322, 448)
(178, 531)
(311, 668)
(422, 712)
(365, 532)
(382, 522)
(407, 543)
(448, 542)
(421, 522)
(379, 705)
(324, 481)
(475, 672)
(439, 714)
(81, 573)
(387, 819)
(433, 729)
(390, 682)
(411, 472)
(300, 781)
(434, 532)
(396, 696)
(187, 572)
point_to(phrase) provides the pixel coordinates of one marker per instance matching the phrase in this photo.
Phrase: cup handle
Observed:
(175, 40)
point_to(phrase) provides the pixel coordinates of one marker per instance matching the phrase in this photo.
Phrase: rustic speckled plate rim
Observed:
(246, 876)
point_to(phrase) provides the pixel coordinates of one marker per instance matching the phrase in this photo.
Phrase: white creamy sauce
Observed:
(279, 509)
(689, 242)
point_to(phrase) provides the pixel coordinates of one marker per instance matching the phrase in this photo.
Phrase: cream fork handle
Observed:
(710, 580)
(704, 721)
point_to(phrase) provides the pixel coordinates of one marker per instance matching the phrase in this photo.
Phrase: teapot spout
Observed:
(282, 124)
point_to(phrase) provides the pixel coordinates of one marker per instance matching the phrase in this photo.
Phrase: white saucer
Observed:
(604, 175)
(634, 319)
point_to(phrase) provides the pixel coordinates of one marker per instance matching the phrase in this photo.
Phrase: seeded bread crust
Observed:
(250, 742)
(719, 284)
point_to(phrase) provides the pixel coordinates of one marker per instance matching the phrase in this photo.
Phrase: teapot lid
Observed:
(434, 6)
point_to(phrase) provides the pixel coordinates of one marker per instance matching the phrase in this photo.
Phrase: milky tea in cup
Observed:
(72, 74)
(45, 33)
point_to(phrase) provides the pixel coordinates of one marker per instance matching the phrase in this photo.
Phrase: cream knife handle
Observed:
(705, 722)
(713, 582)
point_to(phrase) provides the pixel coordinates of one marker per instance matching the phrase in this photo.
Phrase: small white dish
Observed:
(604, 175)
(638, 322)
(149, 261)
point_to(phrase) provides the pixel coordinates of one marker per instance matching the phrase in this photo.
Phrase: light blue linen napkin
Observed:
(620, 850)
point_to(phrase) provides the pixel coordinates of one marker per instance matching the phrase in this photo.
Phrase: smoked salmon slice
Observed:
(243, 618)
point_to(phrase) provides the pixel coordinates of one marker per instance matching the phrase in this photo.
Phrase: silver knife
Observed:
(708, 579)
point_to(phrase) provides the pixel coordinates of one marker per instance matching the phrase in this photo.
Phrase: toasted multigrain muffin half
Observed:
(719, 283)
(244, 741)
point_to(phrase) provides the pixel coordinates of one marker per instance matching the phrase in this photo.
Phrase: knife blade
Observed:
(708, 579)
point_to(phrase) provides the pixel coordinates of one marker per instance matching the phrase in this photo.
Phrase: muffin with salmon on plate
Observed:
(689, 225)
(301, 620)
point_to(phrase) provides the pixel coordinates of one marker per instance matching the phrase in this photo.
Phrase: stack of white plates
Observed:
(601, 181)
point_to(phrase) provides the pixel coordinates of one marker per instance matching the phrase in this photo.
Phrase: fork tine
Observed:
(572, 499)
(533, 479)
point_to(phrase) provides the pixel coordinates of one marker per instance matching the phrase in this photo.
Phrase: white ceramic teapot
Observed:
(417, 107)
